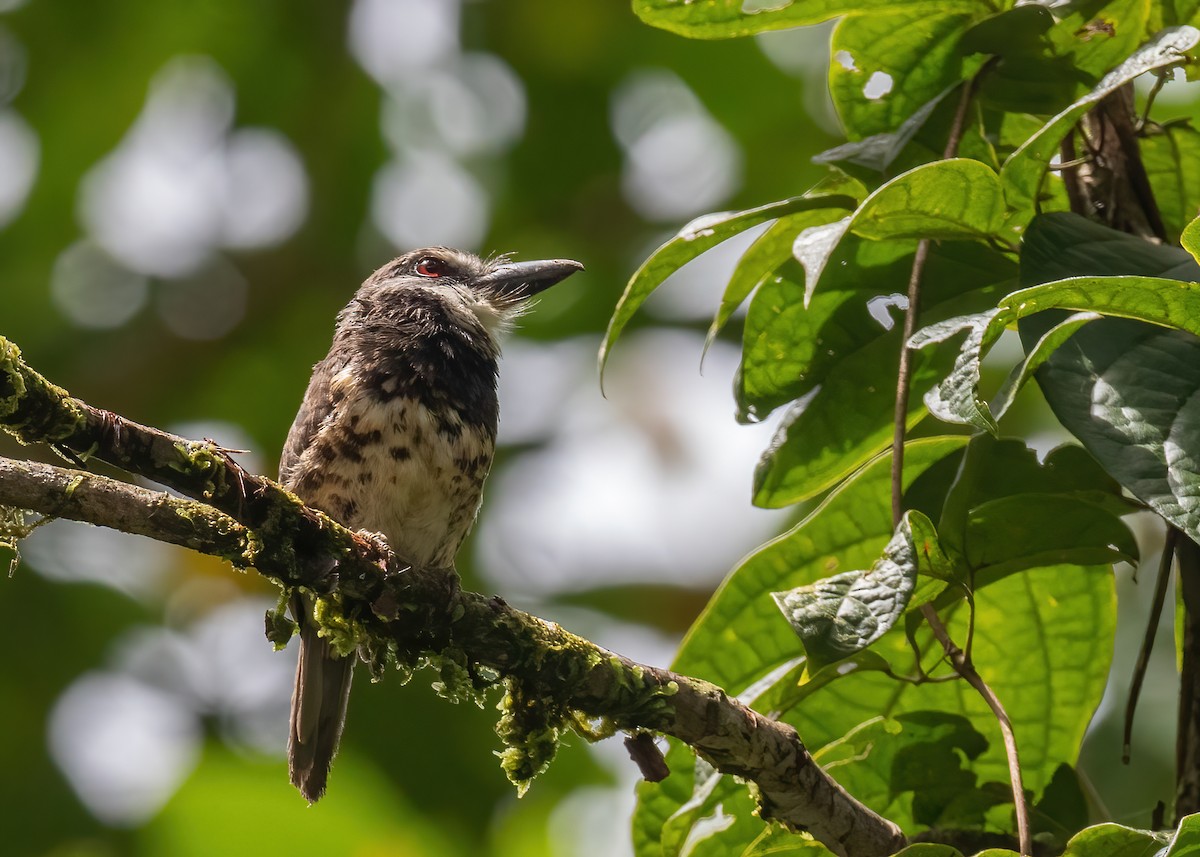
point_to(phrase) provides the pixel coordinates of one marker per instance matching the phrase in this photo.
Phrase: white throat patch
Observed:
(496, 321)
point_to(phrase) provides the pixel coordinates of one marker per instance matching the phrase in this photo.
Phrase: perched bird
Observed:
(395, 435)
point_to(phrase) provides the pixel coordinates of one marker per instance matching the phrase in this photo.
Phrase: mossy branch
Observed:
(392, 613)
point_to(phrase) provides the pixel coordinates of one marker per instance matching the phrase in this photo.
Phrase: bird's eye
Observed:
(430, 267)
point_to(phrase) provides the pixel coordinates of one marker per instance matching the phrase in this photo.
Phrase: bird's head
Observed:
(492, 291)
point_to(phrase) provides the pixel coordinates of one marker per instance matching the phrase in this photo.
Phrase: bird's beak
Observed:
(526, 279)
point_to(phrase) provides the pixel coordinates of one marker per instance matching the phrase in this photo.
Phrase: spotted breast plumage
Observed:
(396, 436)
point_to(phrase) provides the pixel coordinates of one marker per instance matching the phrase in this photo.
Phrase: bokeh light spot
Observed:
(429, 199)
(19, 155)
(93, 290)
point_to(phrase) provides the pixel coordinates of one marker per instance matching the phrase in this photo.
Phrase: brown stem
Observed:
(1187, 753)
(904, 380)
(1143, 660)
(964, 667)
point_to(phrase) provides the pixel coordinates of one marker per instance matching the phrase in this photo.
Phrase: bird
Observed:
(395, 436)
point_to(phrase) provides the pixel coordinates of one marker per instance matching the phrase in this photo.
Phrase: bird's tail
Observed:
(318, 706)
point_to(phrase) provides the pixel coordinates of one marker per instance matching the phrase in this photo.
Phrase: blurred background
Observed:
(189, 192)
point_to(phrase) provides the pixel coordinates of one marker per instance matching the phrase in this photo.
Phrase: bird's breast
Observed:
(394, 466)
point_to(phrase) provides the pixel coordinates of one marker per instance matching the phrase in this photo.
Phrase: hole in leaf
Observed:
(845, 60)
(879, 85)
(879, 305)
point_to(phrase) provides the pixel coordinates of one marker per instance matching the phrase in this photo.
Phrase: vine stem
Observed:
(959, 660)
(1143, 660)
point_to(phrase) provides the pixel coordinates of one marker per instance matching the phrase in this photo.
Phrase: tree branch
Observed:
(373, 602)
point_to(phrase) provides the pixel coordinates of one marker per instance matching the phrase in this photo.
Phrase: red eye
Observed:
(430, 267)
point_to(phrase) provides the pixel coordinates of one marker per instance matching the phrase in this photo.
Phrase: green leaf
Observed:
(1039, 354)
(958, 399)
(740, 637)
(797, 684)
(1010, 534)
(876, 153)
(1186, 841)
(1190, 239)
(1061, 245)
(812, 250)
(952, 199)
(768, 252)
(955, 199)
(840, 615)
(1022, 173)
(1060, 617)
(1171, 303)
(837, 349)
(1096, 37)
(1016, 32)
(921, 752)
(993, 469)
(1114, 840)
(1063, 811)
(929, 849)
(700, 235)
(779, 842)
(724, 19)
(885, 67)
(1180, 12)
(1028, 77)
(1171, 155)
(826, 437)
(1130, 393)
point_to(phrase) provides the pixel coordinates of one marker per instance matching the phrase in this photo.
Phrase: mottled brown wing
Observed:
(318, 404)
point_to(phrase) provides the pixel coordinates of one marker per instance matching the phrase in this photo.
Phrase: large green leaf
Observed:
(839, 362)
(917, 756)
(1095, 37)
(1010, 534)
(1180, 12)
(1114, 840)
(1023, 171)
(1171, 155)
(723, 19)
(700, 235)
(951, 199)
(789, 347)
(1170, 303)
(1126, 389)
(957, 199)
(995, 469)
(827, 436)
(1186, 841)
(1043, 642)
(885, 67)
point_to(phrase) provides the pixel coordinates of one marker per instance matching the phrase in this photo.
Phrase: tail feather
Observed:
(318, 707)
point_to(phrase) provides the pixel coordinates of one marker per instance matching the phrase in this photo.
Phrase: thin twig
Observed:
(958, 658)
(904, 380)
(1143, 661)
(1160, 80)
(965, 668)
